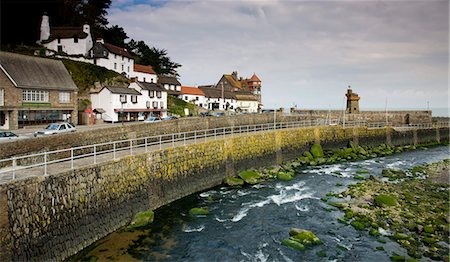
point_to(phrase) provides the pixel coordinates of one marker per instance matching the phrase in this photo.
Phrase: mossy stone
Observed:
(317, 151)
(385, 200)
(141, 219)
(358, 225)
(305, 237)
(285, 176)
(362, 171)
(233, 181)
(398, 258)
(428, 229)
(293, 244)
(198, 211)
(250, 177)
(374, 232)
(308, 155)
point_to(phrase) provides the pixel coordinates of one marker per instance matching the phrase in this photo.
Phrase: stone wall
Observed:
(53, 217)
(394, 117)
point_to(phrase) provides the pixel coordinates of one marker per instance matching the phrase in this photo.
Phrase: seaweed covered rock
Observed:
(317, 151)
(293, 244)
(141, 219)
(198, 211)
(250, 177)
(385, 200)
(304, 236)
(285, 176)
(233, 181)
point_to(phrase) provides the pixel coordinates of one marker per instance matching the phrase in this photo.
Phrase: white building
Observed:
(118, 104)
(112, 57)
(69, 40)
(154, 98)
(216, 99)
(246, 101)
(144, 73)
(193, 95)
(171, 84)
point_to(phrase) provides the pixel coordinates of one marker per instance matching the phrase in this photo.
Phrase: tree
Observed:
(114, 35)
(157, 58)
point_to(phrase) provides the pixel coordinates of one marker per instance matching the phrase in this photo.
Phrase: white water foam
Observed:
(207, 194)
(303, 208)
(243, 212)
(189, 230)
(220, 220)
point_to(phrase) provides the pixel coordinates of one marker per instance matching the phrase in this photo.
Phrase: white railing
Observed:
(129, 147)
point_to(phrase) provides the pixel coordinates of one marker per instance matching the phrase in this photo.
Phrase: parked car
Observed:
(56, 128)
(205, 114)
(7, 135)
(169, 118)
(218, 114)
(152, 119)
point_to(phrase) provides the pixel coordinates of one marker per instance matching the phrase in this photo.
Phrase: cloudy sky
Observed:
(305, 52)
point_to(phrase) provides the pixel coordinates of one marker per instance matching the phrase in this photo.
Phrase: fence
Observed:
(127, 147)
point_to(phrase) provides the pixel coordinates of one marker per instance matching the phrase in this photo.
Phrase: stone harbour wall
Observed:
(53, 217)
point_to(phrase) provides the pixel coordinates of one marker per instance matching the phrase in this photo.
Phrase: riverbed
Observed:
(248, 224)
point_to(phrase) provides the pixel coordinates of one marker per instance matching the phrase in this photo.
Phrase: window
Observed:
(196, 98)
(128, 59)
(2, 97)
(151, 93)
(115, 66)
(60, 48)
(59, 40)
(64, 97)
(75, 39)
(143, 78)
(122, 67)
(161, 104)
(134, 99)
(155, 104)
(62, 127)
(123, 98)
(185, 98)
(158, 94)
(122, 58)
(115, 56)
(34, 96)
(128, 69)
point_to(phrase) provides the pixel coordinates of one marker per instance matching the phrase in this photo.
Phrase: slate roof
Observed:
(122, 90)
(36, 72)
(162, 79)
(151, 86)
(216, 93)
(232, 81)
(190, 90)
(144, 69)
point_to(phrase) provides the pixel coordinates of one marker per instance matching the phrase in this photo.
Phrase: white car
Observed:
(56, 128)
(7, 136)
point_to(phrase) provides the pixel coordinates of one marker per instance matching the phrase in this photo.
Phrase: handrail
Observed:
(127, 146)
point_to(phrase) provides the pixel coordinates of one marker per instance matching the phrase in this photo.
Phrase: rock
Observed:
(428, 229)
(358, 225)
(308, 155)
(250, 177)
(285, 176)
(398, 258)
(362, 171)
(293, 244)
(385, 200)
(198, 211)
(304, 236)
(317, 151)
(233, 181)
(141, 219)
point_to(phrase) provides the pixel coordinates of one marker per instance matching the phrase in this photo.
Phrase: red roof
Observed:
(190, 90)
(255, 78)
(117, 50)
(144, 69)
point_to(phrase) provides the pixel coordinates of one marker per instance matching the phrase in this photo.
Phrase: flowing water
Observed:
(248, 224)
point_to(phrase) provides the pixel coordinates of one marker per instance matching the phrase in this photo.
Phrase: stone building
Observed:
(232, 82)
(35, 91)
(352, 102)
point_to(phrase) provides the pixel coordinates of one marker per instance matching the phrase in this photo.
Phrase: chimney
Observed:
(45, 28)
(100, 40)
(235, 75)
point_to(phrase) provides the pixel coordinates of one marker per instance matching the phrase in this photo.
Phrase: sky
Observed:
(306, 53)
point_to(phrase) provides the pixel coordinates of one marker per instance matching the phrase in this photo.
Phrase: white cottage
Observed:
(68, 40)
(113, 57)
(154, 98)
(193, 95)
(118, 104)
(144, 73)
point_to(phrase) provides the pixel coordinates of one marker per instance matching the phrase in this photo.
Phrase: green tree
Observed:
(157, 58)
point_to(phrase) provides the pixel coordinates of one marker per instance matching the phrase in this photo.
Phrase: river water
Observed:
(248, 224)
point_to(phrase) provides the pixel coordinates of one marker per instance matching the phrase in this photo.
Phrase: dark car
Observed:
(7, 135)
(205, 114)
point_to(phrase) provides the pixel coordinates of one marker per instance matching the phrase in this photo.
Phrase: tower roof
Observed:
(255, 78)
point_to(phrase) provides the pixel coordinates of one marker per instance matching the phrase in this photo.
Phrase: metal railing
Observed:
(143, 145)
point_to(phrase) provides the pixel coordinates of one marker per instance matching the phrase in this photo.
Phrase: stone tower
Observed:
(352, 101)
